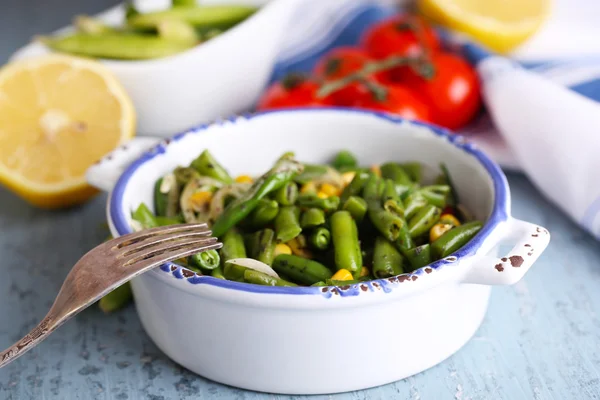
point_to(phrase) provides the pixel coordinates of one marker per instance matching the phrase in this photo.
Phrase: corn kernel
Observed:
(376, 170)
(282, 248)
(298, 247)
(342, 275)
(244, 179)
(364, 271)
(347, 177)
(438, 230)
(322, 195)
(308, 188)
(329, 189)
(449, 219)
(200, 199)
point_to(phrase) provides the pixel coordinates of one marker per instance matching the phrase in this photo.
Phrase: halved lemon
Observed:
(58, 115)
(500, 25)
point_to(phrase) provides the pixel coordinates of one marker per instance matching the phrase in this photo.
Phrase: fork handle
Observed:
(29, 341)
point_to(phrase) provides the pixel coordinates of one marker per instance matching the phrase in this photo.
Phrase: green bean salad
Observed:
(305, 224)
(149, 35)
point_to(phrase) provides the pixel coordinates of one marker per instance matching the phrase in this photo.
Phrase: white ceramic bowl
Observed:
(223, 76)
(322, 340)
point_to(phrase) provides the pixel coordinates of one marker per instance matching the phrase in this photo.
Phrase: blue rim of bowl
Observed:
(498, 215)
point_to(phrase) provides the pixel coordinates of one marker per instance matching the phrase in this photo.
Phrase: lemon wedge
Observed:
(500, 25)
(58, 115)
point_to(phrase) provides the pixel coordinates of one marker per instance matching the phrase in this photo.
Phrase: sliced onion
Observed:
(217, 203)
(255, 265)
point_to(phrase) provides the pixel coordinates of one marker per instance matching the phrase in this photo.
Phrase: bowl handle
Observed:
(105, 173)
(531, 239)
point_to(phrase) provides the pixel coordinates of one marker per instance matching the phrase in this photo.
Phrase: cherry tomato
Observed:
(339, 63)
(398, 36)
(293, 91)
(453, 94)
(397, 100)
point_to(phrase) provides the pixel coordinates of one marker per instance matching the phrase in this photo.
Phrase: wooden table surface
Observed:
(540, 339)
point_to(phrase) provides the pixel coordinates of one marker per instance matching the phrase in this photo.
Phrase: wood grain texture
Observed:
(540, 339)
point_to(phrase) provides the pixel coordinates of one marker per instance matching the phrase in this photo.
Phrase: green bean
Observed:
(396, 173)
(355, 187)
(217, 273)
(413, 203)
(233, 246)
(184, 3)
(423, 221)
(281, 173)
(287, 194)
(116, 299)
(216, 16)
(447, 180)
(344, 160)
(287, 224)
(357, 207)
(144, 216)
(320, 238)
(320, 283)
(207, 165)
(171, 29)
(345, 242)
(310, 173)
(454, 239)
(301, 270)
(165, 221)
(166, 204)
(387, 223)
(264, 250)
(387, 261)
(234, 272)
(404, 241)
(311, 200)
(264, 213)
(160, 199)
(259, 278)
(185, 174)
(92, 26)
(414, 170)
(116, 45)
(208, 260)
(312, 217)
(390, 199)
(419, 256)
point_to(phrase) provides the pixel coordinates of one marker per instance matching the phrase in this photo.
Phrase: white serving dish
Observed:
(321, 340)
(223, 76)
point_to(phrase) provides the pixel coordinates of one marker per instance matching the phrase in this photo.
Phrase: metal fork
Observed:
(110, 265)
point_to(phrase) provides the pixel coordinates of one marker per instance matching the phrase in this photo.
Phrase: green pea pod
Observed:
(287, 223)
(92, 26)
(301, 270)
(344, 160)
(287, 194)
(346, 246)
(355, 187)
(310, 173)
(320, 238)
(454, 239)
(217, 273)
(172, 29)
(387, 261)
(215, 16)
(423, 221)
(419, 256)
(259, 278)
(233, 246)
(311, 200)
(264, 213)
(387, 223)
(282, 172)
(207, 260)
(116, 299)
(122, 46)
(265, 249)
(357, 207)
(312, 218)
(207, 165)
(144, 216)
